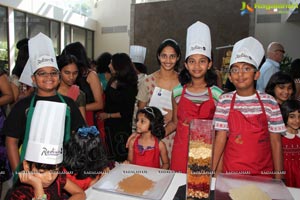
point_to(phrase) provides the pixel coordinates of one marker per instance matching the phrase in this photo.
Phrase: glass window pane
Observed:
(55, 36)
(20, 27)
(79, 35)
(89, 44)
(3, 38)
(38, 24)
(67, 34)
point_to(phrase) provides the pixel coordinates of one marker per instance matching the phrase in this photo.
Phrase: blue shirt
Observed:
(267, 70)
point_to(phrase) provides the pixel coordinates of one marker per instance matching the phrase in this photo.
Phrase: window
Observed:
(3, 38)
(67, 34)
(79, 35)
(38, 24)
(20, 27)
(90, 44)
(55, 36)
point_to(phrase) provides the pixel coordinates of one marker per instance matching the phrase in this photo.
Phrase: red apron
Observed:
(147, 158)
(187, 110)
(248, 148)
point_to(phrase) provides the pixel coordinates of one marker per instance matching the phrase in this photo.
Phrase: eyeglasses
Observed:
(150, 111)
(46, 74)
(236, 70)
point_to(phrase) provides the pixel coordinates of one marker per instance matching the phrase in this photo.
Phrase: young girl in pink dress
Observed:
(147, 148)
(291, 142)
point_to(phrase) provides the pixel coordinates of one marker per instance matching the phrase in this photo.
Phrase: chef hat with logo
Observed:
(198, 40)
(41, 54)
(45, 143)
(248, 50)
(137, 53)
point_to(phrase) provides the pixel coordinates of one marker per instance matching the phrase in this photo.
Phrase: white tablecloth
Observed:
(178, 180)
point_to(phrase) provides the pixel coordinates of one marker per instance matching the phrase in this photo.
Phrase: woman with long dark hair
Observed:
(119, 103)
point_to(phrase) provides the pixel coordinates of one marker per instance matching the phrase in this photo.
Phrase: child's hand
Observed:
(126, 162)
(28, 178)
(133, 135)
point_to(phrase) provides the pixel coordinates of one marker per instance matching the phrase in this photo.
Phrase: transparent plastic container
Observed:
(199, 171)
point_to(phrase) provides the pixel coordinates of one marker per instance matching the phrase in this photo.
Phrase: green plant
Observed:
(285, 64)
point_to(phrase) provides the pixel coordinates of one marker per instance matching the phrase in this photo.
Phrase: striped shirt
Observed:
(249, 106)
(197, 98)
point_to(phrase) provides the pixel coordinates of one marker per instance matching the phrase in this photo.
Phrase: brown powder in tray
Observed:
(135, 184)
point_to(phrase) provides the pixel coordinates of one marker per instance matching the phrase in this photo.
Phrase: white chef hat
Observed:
(248, 50)
(45, 143)
(41, 54)
(198, 40)
(137, 53)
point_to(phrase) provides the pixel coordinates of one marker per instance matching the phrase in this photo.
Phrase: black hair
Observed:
(65, 59)
(156, 121)
(85, 153)
(172, 43)
(102, 62)
(125, 73)
(42, 166)
(141, 67)
(22, 57)
(78, 50)
(295, 69)
(287, 107)
(210, 76)
(279, 78)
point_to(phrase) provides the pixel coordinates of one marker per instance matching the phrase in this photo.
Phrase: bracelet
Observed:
(42, 197)
(108, 115)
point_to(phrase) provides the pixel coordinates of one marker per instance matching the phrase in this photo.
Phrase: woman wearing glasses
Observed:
(44, 75)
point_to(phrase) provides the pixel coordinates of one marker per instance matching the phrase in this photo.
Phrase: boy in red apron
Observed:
(196, 97)
(248, 123)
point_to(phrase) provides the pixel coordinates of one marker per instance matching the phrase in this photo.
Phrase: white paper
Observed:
(161, 98)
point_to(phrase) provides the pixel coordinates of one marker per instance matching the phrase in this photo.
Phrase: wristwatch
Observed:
(42, 197)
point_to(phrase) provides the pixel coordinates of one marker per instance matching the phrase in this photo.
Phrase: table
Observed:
(178, 180)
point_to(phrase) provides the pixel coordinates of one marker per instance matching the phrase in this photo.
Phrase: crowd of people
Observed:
(93, 117)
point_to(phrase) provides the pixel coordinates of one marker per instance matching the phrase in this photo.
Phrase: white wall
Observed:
(286, 33)
(110, 13)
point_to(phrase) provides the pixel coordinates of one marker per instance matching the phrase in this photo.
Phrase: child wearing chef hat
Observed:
(40, 178)
(41, 71)
(196, 97)
(248, 123)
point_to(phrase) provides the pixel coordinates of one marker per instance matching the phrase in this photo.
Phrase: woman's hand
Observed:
(103, 116)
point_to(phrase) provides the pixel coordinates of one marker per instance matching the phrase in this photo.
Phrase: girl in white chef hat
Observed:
(196, 97)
